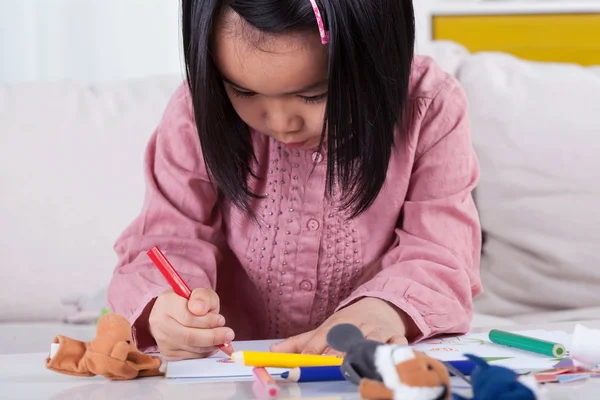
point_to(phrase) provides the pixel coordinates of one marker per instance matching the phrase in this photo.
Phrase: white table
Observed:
(24, 376)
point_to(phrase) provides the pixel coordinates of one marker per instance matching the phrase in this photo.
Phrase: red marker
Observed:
(178, 285)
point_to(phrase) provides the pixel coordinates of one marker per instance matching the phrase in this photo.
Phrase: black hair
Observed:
(371, 50)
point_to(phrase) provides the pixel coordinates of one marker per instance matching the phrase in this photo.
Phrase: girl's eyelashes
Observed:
(314, 99)
(307, 99)
(241, 93)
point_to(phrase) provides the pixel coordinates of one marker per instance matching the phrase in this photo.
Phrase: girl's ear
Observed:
(343, 337)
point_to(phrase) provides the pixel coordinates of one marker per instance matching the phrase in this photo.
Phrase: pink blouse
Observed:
(418, 246)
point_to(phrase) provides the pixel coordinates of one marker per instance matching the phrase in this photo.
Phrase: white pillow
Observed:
(448, 55)
(70, 181)
(536, 129)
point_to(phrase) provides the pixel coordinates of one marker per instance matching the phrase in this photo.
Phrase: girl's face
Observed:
(276, 83)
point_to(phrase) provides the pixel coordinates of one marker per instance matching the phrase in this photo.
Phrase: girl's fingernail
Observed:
(229, 336)
(221, 321)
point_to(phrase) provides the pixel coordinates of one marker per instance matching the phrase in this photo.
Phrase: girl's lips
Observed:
(297, 145)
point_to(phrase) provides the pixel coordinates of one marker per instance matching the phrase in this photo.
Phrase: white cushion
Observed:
(536, 129)
(71, 180)
(481, 321)
(449, 55)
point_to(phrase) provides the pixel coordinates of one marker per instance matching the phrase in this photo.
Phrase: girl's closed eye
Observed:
(314, 99)
(241, 93)
(307, 99)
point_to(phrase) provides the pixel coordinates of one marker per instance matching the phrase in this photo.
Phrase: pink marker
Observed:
(266, 382)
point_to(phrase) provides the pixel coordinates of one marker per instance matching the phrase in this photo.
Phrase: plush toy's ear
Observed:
(342, 337)
(479, 362)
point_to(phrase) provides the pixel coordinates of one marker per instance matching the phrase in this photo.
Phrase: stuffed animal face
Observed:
(112, 329)
(388, 370)
(411, 375)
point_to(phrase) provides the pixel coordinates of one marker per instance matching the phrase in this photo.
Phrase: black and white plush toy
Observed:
(388, 372)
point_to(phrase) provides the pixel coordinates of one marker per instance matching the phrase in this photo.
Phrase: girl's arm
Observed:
(179, 215)
(432, 273)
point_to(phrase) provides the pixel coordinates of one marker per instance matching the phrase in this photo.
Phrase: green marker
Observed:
(526, 343)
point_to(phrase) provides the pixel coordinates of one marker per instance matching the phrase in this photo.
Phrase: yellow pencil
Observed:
(283, 360)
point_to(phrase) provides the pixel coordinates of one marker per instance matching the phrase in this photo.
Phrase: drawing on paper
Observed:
(443, 349)
(455, 341)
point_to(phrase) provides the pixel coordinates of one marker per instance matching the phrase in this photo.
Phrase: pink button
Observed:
(317, 157)
(306, 286)
(313, 225)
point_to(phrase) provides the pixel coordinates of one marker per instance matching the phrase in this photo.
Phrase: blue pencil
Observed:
(465, 367)
(314, 374)
(326, 374)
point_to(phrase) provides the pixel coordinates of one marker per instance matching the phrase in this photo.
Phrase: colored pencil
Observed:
(334, 373)
(465, 367)
(283, 360)
(314, 374)
(178, 284)
(266, 382)
(527, 343)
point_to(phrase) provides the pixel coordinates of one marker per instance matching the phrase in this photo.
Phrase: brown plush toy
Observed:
(112, 353)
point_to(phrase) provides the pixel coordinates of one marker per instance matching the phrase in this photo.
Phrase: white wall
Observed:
(423, 24)
(88, 39)
(100, 39)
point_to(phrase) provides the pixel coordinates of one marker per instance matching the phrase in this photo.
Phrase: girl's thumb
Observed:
(197, 307)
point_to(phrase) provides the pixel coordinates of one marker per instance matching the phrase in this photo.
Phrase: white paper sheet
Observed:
(586, 347)
(454, 348)
(446, 349)
(219, 367)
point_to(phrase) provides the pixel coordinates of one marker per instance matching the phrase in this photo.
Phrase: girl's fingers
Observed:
(203, 301)
(294, 344)
(331, 352)
(398, 339)
(317, 343)
(192, 340)
(185, 318)
(386, 338)
(176, 355)
(377, 336)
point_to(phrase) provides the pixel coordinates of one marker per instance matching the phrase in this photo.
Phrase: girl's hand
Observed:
(188, 329)
(377, 319)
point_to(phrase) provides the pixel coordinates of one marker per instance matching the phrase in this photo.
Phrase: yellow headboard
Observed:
(558, 36)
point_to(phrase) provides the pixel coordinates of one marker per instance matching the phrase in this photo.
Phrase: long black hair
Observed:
(371, 49)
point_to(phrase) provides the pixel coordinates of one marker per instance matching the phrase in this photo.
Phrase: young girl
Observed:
(311, 171)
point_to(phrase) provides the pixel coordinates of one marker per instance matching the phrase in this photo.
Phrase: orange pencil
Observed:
(266, 382)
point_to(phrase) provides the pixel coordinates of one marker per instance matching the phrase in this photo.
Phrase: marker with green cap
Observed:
(527, 343)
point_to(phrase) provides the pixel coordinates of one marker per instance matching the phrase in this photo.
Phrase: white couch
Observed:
(71, 179)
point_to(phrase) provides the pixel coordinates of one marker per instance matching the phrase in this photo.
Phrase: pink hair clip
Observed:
(324, 34)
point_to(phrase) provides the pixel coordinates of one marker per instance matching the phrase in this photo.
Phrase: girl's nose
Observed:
(283, 122)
